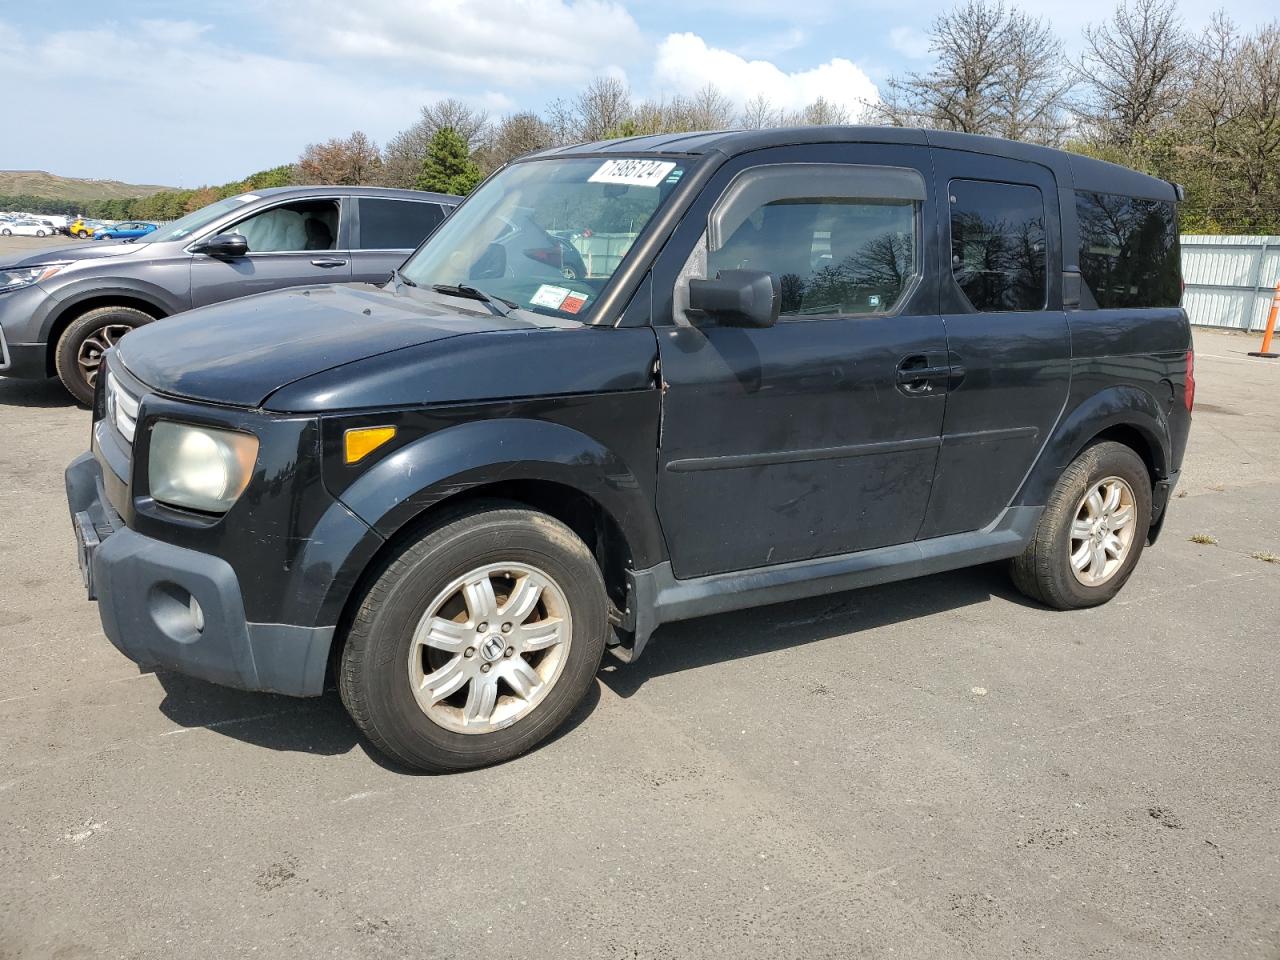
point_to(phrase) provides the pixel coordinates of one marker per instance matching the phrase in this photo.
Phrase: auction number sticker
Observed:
(559, 298)
(633, 173)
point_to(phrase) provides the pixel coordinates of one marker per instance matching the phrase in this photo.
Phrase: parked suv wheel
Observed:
(81, 346)
(1092, 531)
(475, 642)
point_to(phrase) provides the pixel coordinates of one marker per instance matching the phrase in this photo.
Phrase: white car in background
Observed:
(26, 228)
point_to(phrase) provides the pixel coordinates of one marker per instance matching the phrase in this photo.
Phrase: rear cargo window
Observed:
(998, 253)
(1129, 250)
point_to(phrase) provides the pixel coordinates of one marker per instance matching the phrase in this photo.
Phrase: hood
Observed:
(241, 351)
(89, 250)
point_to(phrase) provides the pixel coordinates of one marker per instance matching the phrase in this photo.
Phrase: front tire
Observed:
(81, 346)
(475, 642)
(1092, 531)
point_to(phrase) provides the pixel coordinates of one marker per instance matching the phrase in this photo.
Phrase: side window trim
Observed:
(889, 183)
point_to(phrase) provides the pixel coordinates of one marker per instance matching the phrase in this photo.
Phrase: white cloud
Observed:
(685, 64)
(193, 111)
(503, 42)
(910, 42)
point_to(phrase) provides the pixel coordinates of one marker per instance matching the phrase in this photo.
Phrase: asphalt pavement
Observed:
(937, 768)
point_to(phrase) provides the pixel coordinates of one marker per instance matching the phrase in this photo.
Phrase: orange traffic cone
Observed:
(1271, 329)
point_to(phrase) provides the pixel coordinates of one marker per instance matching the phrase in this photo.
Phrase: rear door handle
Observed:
(328, 262)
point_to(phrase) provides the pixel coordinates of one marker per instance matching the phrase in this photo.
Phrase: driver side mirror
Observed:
(225, 245)
(738, 298)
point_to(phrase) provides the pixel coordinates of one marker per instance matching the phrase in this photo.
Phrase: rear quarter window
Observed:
(1129, 254)
(387, 224)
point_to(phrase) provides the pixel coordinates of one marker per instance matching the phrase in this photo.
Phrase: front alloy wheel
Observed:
(490, 647)
(477, 640)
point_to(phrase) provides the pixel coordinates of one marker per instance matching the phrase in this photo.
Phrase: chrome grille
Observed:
(122, 409)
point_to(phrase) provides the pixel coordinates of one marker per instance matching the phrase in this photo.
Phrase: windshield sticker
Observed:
(573, 302)
(633, 173)
(245, 198)
(549, 296)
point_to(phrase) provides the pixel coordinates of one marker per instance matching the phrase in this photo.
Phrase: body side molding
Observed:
(657, 597)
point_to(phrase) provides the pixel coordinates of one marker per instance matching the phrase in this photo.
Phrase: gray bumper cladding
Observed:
(166, 606)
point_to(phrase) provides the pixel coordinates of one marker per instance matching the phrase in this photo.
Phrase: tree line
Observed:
(1201, 109)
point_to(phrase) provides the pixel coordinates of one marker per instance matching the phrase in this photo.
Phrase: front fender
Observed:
(1122, 405)
(466, 455)
(67, 298)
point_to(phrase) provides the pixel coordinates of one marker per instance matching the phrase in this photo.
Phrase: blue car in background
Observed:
(130, 230)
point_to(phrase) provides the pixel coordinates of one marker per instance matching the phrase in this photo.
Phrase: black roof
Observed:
(304, 190)
(1085, 173)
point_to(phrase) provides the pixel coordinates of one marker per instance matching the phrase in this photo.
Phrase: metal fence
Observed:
(1230, 280)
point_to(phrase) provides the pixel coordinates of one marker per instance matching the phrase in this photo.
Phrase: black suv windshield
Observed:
(198, 219)
(547, 235)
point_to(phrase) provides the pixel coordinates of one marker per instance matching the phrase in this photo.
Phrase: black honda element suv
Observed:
(634, 382)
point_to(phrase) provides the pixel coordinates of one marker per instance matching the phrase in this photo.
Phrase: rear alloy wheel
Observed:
(81, 346)
(476, 641)
(1092, 531)
(6, 232)
(1102, 532)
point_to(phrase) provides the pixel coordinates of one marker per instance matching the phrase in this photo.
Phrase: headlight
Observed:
(199, 467)
(11, 278)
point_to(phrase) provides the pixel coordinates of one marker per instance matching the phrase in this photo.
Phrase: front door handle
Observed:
(328, 263)
(916, 375)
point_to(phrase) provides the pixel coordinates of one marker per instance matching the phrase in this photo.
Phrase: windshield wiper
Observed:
(399, 277)
(499, 306)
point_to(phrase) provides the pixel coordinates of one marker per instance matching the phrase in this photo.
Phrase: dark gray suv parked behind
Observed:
(61, 309)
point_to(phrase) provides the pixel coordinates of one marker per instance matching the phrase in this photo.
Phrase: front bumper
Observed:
(167, 606)
(22, 352)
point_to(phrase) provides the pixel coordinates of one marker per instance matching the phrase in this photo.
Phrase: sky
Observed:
(149, 91)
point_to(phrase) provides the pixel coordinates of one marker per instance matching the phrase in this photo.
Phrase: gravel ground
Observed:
(929, 769)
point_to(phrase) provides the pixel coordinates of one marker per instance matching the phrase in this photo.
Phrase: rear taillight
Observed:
(1190, 392)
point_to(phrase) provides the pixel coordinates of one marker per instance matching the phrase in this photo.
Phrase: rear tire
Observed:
(411, 670)
(80, 348)
(1084, 549)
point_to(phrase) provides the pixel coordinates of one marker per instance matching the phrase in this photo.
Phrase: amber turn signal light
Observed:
(361, 442)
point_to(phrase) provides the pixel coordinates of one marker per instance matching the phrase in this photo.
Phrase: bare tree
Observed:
(402, 161)
(514, 136)
(822, 112)
(348, 160)
(758, 113)
(1129, 72)
(602, 108)
(710, 109)
(995, 72)
(1255, 145)
(1033, 91)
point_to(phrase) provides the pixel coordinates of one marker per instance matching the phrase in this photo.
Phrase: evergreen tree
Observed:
(448, 167)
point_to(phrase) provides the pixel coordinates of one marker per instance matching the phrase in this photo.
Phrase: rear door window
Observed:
(1129, 254)
(387, 224)
(998, 253)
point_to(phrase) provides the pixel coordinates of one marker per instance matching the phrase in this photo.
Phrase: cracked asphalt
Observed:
(934, 768)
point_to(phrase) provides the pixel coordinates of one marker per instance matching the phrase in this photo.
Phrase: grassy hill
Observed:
(38, 183)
